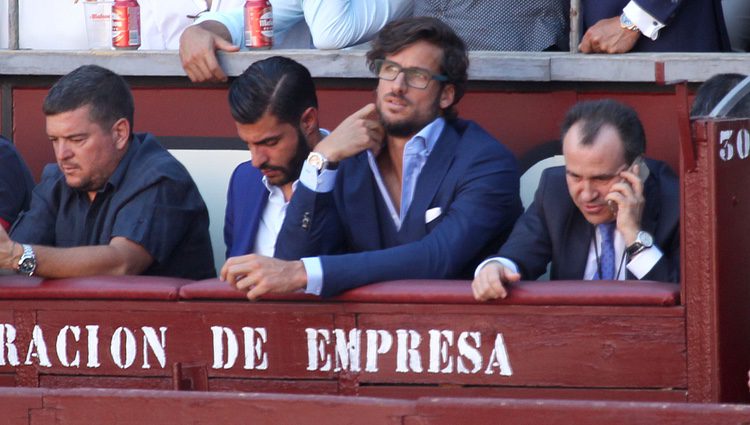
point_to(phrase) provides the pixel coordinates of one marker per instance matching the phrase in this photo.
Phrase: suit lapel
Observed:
(362, 214)
(429, 181)
(579, 234)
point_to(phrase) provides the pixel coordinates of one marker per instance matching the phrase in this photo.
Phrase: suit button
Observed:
(306, 221)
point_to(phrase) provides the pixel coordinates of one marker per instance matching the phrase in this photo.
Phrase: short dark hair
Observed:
(713, 90)
(279, 85)
(403, 32)
(596, 114)
(105, 92)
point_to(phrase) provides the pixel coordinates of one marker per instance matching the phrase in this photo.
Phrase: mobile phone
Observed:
(643, 173)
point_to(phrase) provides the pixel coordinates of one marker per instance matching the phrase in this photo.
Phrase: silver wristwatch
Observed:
(27, 262)
(643, 240)
(317, 160)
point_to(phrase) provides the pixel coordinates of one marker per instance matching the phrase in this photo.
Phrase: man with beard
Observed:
(426, 201)
(275, 108)
(116, 202)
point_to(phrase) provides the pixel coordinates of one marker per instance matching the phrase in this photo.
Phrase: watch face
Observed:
(27, 265)
(646, 239)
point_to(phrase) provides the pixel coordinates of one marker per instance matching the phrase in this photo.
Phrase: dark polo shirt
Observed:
(150, 199)
(16, 183)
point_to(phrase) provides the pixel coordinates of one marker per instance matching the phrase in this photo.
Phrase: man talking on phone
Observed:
(608, 214)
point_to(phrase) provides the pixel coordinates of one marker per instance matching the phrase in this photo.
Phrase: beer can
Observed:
(258, 24)
(126, 25)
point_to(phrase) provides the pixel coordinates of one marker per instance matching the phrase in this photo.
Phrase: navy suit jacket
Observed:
(553, 228)
(16, 182)
(469, 176)
(691, 25)
(246, 198)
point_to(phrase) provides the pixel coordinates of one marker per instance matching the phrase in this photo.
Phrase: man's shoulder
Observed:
(246, 173)
(481, 141)
(154, 162)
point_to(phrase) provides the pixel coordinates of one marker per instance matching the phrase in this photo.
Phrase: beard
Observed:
(412, 125)
(291, 171)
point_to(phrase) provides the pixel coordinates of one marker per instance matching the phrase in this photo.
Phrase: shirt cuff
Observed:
(314, 270)
(320, 183)
(642, 263)
(233, 20)
(647, 24)
(502, 260)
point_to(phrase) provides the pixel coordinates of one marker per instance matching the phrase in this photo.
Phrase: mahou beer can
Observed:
(126, 24)
(258, 24)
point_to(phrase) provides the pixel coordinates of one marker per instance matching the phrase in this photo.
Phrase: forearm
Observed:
(217, 28)
(119, 258)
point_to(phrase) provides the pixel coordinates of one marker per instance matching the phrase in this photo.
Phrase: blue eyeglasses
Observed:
(415, 77)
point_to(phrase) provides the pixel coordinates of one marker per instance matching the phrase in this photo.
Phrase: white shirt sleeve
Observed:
(335, 24)
(642, 263)
(320, 183)
(314, 271)
(502, 260)
(647, 24)
(233, 20)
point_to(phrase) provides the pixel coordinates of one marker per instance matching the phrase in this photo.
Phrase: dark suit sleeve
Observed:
(15, 183)
(311, 227)
(530, 245)
(229, 215)
(485, 207)
(662, 10)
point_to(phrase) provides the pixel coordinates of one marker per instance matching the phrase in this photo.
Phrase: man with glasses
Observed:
(428, 200)
(608, 214)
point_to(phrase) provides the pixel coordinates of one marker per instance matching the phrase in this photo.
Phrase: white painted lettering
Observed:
(469, 352)
(254, 348)
(232, 350)
(116, 347)
(317, 341)
(93, 343)
(62, 346)
(37, 348)
(347, 352)
(157, 345)
(743, 143)
(499, 358)
(439, 357)
(378, 342)
(407, 352)
(726, 149)
(8, 350)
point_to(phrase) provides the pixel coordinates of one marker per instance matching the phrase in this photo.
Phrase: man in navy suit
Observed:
(427, 199)
(275, 108)
(605, 192)
(620, 26)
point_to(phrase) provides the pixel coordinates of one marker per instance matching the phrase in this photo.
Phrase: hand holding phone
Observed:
(639, 168)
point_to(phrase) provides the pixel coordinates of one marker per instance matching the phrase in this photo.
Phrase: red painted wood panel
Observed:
(438, 411)
(717, 205)
(418, 391)
(87, 406)
(520, 119)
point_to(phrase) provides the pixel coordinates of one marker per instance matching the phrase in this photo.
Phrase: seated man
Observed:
(275, 108)
(329, 24)
(427, 201)
(116, 202)
(620, 26)
(713, 90)
(607, 214)
(16, 184)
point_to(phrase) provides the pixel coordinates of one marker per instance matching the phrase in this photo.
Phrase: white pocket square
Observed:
(432, 214)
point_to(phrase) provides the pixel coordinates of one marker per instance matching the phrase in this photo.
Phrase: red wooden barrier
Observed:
(126, 407)
(617, 340)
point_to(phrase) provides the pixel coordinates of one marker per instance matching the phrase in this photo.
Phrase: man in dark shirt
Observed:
(116, 202)
(16, 184)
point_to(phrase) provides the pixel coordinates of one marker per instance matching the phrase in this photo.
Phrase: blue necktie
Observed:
(607, 259)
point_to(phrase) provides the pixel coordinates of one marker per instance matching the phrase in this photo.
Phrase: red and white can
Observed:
(126, 25)
(258, 24)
